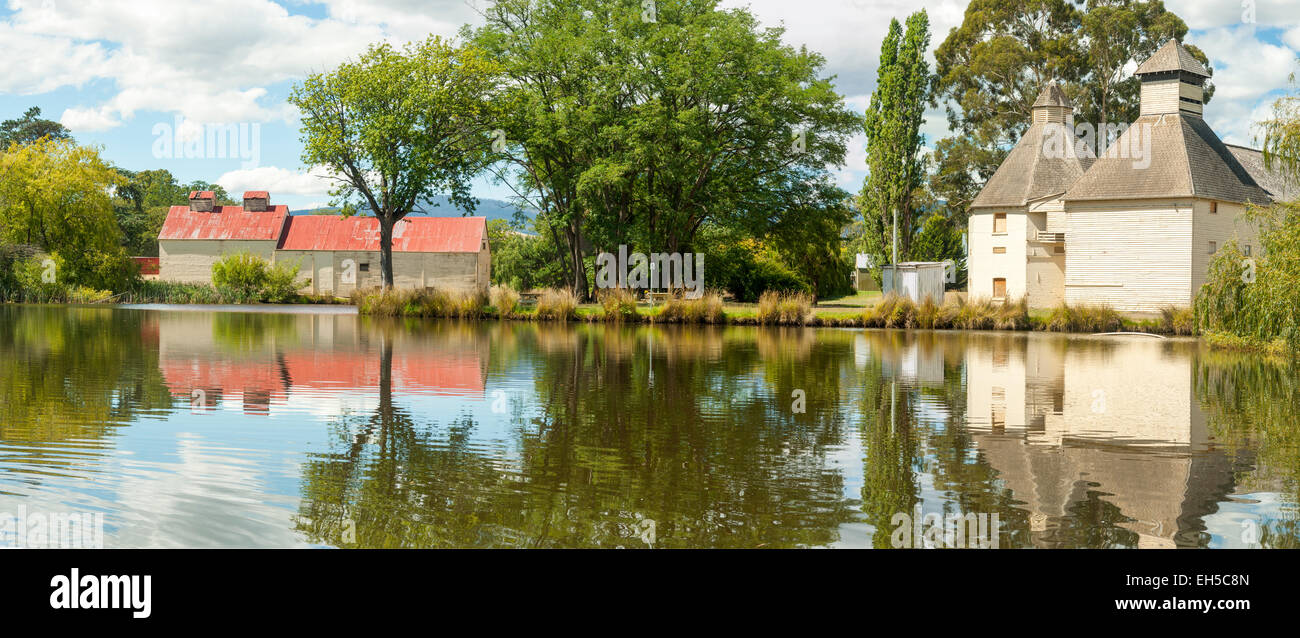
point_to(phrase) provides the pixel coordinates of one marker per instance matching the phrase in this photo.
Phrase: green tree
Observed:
(1117, 32)
(625, 131)
(894, 140)
(55, 195)
(524, 261)
(29, 128)
(940, 239)
(396, 127)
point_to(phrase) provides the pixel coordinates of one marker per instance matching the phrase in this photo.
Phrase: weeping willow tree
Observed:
(1281, 135)
(1254, 299)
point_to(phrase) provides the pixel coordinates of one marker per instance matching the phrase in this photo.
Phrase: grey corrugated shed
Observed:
(1187, 160)
(1028, 174)
(1173, 56)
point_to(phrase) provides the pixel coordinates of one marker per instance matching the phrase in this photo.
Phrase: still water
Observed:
(208, 428)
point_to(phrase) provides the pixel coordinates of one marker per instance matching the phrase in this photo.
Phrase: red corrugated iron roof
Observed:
(202, 195)
(413, 234)
(257, 195)
(224, 222)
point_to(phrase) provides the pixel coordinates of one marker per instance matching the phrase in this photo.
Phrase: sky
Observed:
(139, 78)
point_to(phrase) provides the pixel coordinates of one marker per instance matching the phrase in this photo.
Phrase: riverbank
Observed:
(773, 309)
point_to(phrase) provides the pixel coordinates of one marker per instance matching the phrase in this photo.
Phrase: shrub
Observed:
(506, 300)
(619, 304)
(247, 278)
(558, 304)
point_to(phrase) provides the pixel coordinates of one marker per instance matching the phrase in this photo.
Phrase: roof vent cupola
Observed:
(1173, 81)
(1053, 107)
(202, 201)
(257, 201)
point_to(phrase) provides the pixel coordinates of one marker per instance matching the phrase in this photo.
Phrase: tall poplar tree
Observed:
(895, 164)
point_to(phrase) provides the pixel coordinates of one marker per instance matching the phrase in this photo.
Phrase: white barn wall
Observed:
(1135, 256)
(1221, 227)
(190, 260)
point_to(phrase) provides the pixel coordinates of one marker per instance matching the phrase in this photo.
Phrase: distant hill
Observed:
(489, 208)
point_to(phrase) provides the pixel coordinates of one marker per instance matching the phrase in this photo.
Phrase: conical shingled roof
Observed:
(1029, 173)
(1187, 160)
(1173, 56)
(1052, 95)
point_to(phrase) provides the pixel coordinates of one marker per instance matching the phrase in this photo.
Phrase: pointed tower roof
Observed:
(1052, 95)
(1032, 171)
(1172, 57)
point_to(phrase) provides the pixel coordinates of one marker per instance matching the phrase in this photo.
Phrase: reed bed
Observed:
(557, 305)
(505, 299)
(707, 308)
(619, 305)
(395, 302)
(785, 308)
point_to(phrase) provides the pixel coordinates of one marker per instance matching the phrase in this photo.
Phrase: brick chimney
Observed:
(202, 201)
(257, 201)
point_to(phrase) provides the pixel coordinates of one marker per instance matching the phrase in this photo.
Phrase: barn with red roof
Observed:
(335, 254)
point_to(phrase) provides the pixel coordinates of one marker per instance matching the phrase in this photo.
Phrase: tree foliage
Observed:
(627, 131)
(896, 167)
(396, 127)
(55, 195)
(1281, 135)
(30, 128)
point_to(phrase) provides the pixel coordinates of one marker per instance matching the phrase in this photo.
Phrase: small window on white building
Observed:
(999, 250)
(1214, 208)
(999, 222)
(1214, 247)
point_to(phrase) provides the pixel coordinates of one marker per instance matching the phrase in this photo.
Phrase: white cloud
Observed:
(314, 183)
(1244, 67)
(1206, 14)
(208, 62)
(85, 120)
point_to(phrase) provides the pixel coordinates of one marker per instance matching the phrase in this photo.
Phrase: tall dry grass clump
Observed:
(619, 304)
(505, 299)
(559, 305)
(784, 308)
(705, 309)
(437, 303)
(1084, 318)
(1178, 321)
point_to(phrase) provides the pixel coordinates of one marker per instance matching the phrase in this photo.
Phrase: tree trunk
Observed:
(579, 282)
(386, 224)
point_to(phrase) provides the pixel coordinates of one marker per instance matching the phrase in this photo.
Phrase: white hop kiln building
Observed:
(1135, 228)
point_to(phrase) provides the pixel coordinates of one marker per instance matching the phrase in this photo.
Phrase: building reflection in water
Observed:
(258, 360)
(1100, 427)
